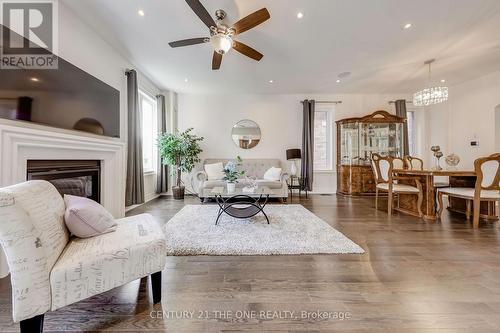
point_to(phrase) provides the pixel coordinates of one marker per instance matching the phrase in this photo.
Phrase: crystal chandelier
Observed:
(431, 95)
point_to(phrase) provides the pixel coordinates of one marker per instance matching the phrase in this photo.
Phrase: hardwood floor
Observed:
(414, 277)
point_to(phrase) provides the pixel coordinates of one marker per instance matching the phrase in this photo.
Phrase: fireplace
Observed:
(74, 177)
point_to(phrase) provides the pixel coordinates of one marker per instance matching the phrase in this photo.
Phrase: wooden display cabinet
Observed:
(357, 138)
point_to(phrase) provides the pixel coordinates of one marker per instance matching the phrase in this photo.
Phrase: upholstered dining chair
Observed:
(487, 187)
(383, 167)
(398, 163)
(50, 270)
(413, 163)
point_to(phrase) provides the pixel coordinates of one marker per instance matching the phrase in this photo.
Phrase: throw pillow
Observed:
(86, 218)
(273, 174)
(214, 171)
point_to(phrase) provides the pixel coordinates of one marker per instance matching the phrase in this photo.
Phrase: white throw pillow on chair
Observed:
(86, 218)
(214, 171)
(273, 174)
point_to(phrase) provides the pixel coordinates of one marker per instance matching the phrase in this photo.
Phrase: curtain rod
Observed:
(325, 102)
(408, 102)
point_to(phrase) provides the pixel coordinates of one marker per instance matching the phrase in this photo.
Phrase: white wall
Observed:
(497, 128)
(280, 119)
(84, 48)
(468, 114)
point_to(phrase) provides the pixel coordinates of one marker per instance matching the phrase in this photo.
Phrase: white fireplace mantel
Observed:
(20, 142)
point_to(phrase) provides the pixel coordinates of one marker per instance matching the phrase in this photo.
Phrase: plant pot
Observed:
(231, 187)
(178, 192)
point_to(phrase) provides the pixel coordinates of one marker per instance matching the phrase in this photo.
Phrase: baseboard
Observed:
(150, 196)
(147, 198)
(322, 192)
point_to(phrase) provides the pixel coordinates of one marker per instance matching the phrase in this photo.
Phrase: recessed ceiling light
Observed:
(141, 12)
(271, 81)
(186, 80)
(407, 26)
(35, 79)
(338, 81)
(300, 15)
(443, 81)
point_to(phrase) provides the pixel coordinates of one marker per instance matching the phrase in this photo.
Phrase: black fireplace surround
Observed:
(75, 177)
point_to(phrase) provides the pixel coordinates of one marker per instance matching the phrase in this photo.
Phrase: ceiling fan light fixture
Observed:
(221, 43)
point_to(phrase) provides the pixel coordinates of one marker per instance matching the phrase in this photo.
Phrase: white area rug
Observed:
(293, 230)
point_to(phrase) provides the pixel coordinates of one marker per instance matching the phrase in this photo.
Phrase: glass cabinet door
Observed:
(349, 136)
(382, 138)
(359, 140)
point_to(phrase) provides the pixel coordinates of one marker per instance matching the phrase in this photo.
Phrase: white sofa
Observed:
(253, 168)
(50, 270)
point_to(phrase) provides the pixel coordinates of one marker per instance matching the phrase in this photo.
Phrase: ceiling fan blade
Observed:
(187, 42)
(216, 60)
(201, 12)
(251, 21)
(247, 50)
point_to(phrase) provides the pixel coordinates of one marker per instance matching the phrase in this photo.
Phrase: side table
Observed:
(295, 183)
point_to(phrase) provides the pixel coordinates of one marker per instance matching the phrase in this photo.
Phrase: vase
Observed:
(231, 187)
(293, 170)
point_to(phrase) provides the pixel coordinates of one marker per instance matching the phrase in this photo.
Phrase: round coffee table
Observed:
(241, 206)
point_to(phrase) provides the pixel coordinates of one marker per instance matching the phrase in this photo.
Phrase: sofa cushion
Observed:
(86, 218)
(210, 184)
(270, 183)
(90, 266)
(273, 174)
(214, 183)
(252, 167)
(214, 171)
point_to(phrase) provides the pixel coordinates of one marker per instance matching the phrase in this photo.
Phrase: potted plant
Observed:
(180, 151)
(231, 174)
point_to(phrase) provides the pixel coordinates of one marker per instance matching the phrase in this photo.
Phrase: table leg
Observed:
(431, 199)
(221, 204)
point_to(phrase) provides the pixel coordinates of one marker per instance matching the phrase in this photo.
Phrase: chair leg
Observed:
(477, 205)
(32, 325)
(467, 211)
(389, 203)
(156, 286)
(376, 198)
(441, 207)
(419, 203)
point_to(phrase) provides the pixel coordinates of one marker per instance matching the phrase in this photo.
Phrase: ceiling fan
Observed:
(221, 35)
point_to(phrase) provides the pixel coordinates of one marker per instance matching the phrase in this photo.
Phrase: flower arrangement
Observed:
(231, 173)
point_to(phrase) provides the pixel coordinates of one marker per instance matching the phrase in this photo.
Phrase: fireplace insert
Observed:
(75, 177)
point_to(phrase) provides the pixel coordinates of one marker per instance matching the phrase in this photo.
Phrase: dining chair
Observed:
(383, 167)
(414, 163)
(487, 187)
(398, 163)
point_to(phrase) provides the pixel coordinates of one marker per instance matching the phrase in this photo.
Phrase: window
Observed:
(149, 131)
(322, 140)
(410, 120)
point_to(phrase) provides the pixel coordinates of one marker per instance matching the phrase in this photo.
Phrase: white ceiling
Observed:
(305, 56)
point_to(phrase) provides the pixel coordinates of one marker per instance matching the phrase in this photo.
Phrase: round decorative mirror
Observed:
(246, 134)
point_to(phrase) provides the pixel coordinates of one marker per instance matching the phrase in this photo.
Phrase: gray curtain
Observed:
(162, 175)
(134, 192)
(307, 144)
(401, 112)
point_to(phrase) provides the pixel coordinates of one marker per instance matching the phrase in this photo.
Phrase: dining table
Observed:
(407, 203)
